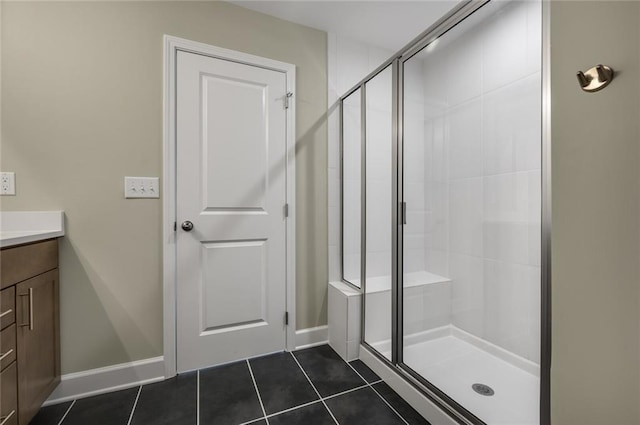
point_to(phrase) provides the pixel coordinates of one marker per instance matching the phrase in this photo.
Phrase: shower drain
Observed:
(483, 389)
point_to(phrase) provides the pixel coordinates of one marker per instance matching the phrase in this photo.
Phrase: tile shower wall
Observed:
(414, 176)
(379, 124)
(474, 177)
(349, 61)
(482, 132)
(352, 187)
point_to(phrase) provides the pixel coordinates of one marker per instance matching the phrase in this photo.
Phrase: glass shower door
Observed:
(352, 140)
(378, 206)
(471, 184)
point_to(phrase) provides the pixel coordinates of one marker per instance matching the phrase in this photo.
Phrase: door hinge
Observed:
(403, 212)
(286, 210)
(286, 317)
(175, 226)
(286, 99)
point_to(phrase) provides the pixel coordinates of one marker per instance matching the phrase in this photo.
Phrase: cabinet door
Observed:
(38, 342)
(8, 398)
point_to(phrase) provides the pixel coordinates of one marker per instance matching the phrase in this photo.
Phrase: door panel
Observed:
(231, 184)
(244, 102)
(234, 295)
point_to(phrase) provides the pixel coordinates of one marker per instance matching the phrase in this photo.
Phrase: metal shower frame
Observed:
(396, 62)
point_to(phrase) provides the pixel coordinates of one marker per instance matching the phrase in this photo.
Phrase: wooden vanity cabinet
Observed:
(29, 282)
(9, 402)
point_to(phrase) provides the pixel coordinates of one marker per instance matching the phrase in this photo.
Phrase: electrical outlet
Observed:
(7, 183)
(141, 187)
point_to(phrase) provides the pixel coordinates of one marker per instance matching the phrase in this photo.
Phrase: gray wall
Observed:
(82, 108)
(596, 213)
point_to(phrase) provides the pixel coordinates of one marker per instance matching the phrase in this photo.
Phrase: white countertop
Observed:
(19, 227)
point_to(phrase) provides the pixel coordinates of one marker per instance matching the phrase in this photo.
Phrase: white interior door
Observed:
(231, 185)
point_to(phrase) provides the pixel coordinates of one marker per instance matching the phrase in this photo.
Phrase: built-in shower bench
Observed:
(345, 307)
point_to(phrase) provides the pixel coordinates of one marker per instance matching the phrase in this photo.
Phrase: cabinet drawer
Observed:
(9, 396)
(22, 262)
(7, 346)
(7, 307)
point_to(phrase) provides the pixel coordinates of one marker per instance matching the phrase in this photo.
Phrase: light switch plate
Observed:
(7, 183)
(141, 187)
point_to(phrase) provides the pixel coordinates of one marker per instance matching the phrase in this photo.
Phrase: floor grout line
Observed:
(300, 406)
(294, 408)
(257, 392)
(266, 417)
(375, 391)
(314, 388)
(345, 392)
(390, 406)
(66, 413)
(135, 403)
(252, 421)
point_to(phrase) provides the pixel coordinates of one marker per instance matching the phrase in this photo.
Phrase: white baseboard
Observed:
(126, 375)
(106, 379)
(310, 337)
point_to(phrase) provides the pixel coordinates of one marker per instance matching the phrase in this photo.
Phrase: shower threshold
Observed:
(454, 360)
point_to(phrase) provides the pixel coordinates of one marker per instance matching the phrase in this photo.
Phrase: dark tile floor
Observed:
(313, 386)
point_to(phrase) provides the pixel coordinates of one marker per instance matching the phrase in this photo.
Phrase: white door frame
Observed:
(171, 47)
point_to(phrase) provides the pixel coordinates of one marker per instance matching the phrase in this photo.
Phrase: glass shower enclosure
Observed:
(443, 164)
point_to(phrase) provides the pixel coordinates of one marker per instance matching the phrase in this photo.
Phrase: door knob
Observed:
(187, 226)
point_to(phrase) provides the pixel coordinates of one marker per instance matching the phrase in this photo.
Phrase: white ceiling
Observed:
(389, 24)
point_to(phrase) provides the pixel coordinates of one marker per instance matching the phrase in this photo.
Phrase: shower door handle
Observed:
(403, 212)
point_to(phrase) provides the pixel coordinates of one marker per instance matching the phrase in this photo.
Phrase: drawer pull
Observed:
(5, 355)
(4, 314)
(30, 310)
(30, 323)
(4, 419)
